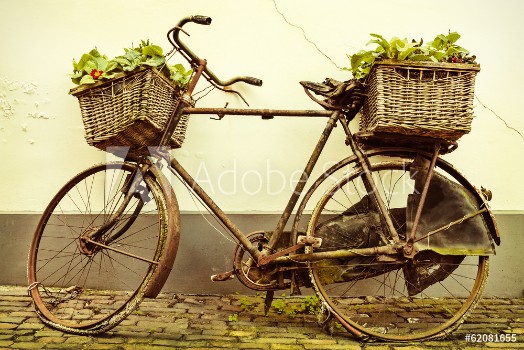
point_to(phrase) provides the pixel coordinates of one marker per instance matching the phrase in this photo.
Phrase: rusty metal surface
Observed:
(303, 179)
(371, 187)
(409, 248)
(166, 261)
(258, 112)
(199, 191)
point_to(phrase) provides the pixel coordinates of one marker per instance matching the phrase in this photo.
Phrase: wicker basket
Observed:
(420, 98)
(130, 110)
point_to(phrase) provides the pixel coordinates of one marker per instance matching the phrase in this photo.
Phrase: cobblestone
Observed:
(191, 322)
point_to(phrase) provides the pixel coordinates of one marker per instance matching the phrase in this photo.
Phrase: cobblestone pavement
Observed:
(234, 322)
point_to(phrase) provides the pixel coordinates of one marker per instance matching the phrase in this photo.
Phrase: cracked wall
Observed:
(281, 42)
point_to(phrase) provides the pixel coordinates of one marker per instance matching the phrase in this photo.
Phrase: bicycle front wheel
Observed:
(87, 286)
(388, 296)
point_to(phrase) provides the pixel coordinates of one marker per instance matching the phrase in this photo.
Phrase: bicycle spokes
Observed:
(99, 232)
(391, 295)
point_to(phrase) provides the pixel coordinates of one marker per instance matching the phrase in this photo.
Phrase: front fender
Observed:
(165, 264)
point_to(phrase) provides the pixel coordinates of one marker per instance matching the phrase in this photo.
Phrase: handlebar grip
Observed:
(252, 81)
(204, 20)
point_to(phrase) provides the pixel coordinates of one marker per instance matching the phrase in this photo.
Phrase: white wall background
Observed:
(41, 134)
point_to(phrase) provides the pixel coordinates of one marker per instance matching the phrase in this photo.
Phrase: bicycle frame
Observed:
(268, 254)
(334, 117)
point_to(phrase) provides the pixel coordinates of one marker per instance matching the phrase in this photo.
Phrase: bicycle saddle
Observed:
(327, 89)
(348, 95)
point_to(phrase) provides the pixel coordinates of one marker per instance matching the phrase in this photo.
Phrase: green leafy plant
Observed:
(443, 48)
(279, 304)
(308, 305)
(93, 66)
(246, 303)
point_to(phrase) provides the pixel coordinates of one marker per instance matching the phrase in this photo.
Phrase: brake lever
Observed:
(231, 91)
(182, 30)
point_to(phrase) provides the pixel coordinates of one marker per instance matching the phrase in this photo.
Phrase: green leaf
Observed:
(85, 58)
(439, 42)
(405, 53)
(87, 79)
(439, 56)
(75, 66)
(381, 41)
(356, 60)
(101, 63)
(95, 53)
(152, 50)
(133, 55)
(130, 67)
(106, 75)
(90, 65)
(460, 49)
(179, 75)
(405, 49)
(394, 45)
(111, 66)
(122, 61)
(155, 61)
(453, 37)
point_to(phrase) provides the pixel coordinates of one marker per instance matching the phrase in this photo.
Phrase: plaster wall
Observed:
(246, 164)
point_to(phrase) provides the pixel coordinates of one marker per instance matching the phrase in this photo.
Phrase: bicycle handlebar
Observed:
(192, 58)
(204, 20)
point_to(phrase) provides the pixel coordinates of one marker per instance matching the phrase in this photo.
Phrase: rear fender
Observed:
(488, 216)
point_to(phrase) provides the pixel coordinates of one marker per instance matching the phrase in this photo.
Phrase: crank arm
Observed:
(264, 260)
(302, 241)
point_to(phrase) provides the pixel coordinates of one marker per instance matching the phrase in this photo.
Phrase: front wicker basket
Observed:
(420, 98)
(130, 110)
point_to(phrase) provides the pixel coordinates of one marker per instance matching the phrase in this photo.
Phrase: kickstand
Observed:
(269, 299)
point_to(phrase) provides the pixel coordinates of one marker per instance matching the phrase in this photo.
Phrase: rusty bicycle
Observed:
(396, 248)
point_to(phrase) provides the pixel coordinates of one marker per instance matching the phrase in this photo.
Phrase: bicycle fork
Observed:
(133, 187)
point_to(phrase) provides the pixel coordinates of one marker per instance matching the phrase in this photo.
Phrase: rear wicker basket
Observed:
(419, 98)
(130, 110)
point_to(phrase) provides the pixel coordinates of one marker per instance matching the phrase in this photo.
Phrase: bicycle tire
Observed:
(369, 297)
(82, 288)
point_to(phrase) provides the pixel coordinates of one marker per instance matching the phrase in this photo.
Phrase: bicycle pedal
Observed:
(224, 276)
(315, 242)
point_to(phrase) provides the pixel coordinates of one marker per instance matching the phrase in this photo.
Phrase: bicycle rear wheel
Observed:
(87, 287)
(390, 297)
